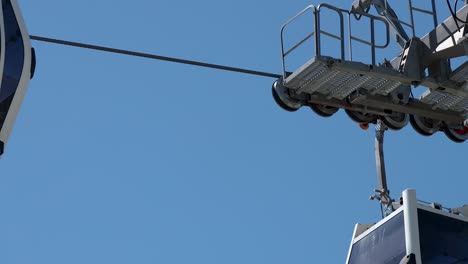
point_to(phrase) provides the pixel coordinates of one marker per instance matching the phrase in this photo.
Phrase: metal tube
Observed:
(283, 64)
(372, 40)
(379, 155)
(411, 224)
(342, 42)
(350, 44)
(412, 17)
(317, 33)
(434, 10)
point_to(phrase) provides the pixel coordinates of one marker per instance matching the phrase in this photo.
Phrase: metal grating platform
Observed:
(460, 74)
(334, 82)
(321, 76)
(446, 101)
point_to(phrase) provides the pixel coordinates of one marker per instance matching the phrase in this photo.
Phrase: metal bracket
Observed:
(410, 63)
(382, 194)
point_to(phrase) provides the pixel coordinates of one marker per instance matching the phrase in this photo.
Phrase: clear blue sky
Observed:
(116, 159)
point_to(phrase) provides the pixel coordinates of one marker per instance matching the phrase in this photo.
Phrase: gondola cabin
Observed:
(415, 233)
(17, 63)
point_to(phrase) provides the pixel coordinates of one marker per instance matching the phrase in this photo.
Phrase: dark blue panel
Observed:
(14, 59)
(384, 245)
(444, 240)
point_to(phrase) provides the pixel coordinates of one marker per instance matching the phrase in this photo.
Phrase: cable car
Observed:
(417, 232)
(17, 65)
(369, 90)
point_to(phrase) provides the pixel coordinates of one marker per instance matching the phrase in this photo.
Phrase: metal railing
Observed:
(284, 53)
(351, 37)
(371, 43)
(387, 11)
(344, 36)
(433, 13)
(341, 37)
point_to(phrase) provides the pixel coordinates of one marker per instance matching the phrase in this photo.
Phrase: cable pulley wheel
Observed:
(456, 135)
(360, 117)
(424, 126)
(323, 110)
(283, 100)
(395, 121)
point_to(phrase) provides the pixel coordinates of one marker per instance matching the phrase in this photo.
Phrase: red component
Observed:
(462, 131)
